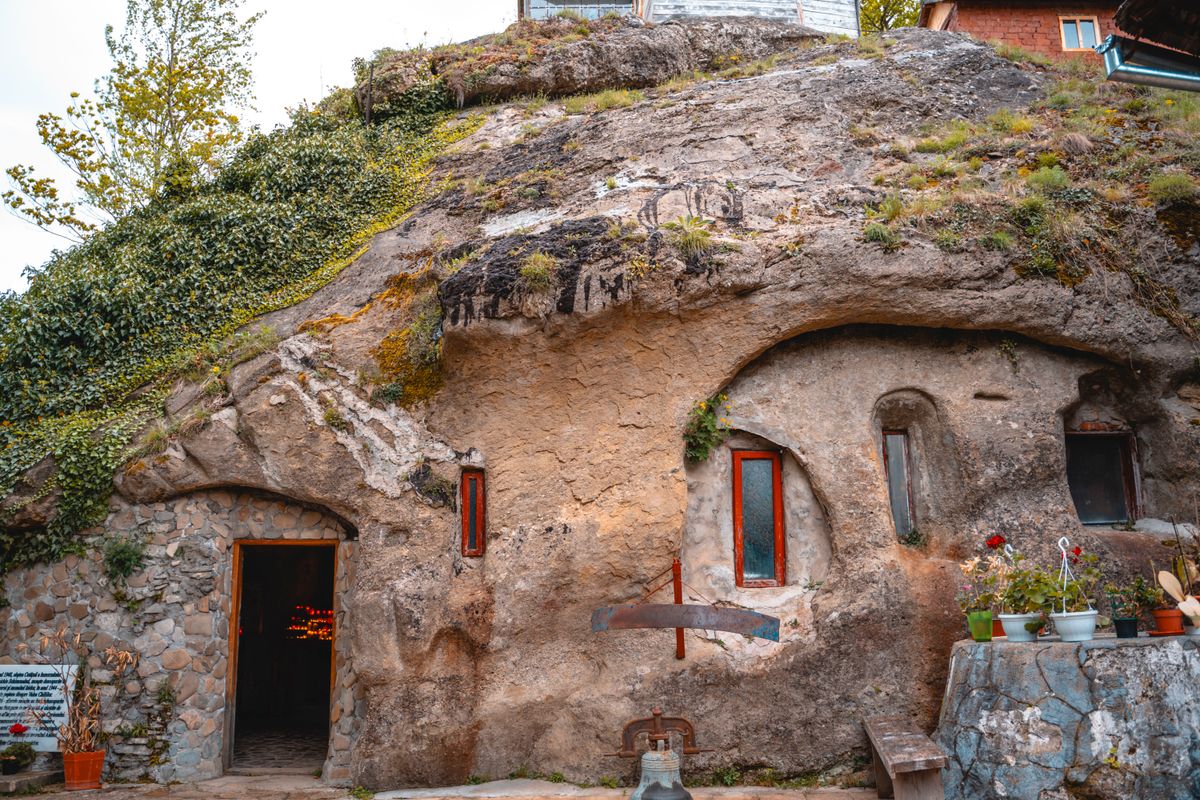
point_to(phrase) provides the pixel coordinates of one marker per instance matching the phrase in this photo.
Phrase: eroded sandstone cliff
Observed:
(583, 279)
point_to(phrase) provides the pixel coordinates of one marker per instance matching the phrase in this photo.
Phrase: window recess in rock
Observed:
(898, 468)
(1102, 475)
(758, 530)
(474, 520)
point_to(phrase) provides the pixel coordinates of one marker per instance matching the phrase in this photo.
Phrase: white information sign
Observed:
(37, 686)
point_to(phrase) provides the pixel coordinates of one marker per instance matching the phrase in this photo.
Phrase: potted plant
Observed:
(16, 757)
(1167, 621)
(1129, 602)
(78, 737)
(975, 598)
(1025, 601)
(1074, 616)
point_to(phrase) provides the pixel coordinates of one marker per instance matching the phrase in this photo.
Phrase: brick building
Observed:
(1053, 28)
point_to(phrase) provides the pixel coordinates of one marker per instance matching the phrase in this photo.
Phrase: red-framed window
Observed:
(1102, 476)
(897, 464)
(472, 501)
(758, 536)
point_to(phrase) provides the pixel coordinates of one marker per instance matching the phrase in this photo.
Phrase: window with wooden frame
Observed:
(758, 537)
(474, 519)
(897, 464)
(1102, 476)
(1079, 33)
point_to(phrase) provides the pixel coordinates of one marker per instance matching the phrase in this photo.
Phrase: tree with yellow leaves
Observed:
(162, 119)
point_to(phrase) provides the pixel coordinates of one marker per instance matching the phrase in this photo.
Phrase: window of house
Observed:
(1079, 33)
(474, 528)
(898, 466)
(1100, 473)
(589, 9)
(758, 518)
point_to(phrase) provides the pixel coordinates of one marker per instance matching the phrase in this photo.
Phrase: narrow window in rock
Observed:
(1100, 472)
(899, 479)
(1078, 33)
(758, 518)
(474, 530)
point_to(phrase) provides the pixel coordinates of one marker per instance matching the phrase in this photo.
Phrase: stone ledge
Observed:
(1110, 719)
(24, 782)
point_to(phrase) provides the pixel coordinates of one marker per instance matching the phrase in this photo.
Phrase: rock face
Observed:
(1110, 718)
(621, 52)
(569, 377)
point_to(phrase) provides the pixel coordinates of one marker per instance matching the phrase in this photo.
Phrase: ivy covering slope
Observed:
(88, 352)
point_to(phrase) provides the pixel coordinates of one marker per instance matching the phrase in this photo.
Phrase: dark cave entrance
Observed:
(284, 655)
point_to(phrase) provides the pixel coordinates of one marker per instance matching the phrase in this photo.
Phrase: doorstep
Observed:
(24, 781)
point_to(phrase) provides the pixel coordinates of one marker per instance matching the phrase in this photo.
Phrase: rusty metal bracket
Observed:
(658, 729)
(709, 618)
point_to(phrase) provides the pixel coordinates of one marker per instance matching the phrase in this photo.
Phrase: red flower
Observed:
(1078, 551)
(17, 729)
(996, 542)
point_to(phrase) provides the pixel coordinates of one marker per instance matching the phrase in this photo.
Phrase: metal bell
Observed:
(660, 778)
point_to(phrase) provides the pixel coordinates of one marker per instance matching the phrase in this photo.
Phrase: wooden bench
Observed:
(906, 761)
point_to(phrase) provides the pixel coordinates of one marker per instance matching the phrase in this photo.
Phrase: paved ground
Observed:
(294, 787)
(297, 750)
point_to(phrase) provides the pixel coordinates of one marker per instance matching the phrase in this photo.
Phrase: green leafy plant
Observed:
(1134, 598)
(996, 240)
(691, 236)
(1172, 188)
(123, 556)
(1079, 593)
(609, 782)
(19, 752)
(537, 272)
(707, 427)
(164, 117)
(877, 16)
(361, 793)
(883, 235)
(1048, 179)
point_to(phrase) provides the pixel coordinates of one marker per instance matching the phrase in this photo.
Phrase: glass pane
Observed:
(1070, 36)
(472, 510)
(590, 9)
(758, 519)
(1087, 32)
(1096, 475)
(896, 447)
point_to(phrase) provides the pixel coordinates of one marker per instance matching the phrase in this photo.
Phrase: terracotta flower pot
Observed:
(82, 770)
(997, 628)
(1168, 622)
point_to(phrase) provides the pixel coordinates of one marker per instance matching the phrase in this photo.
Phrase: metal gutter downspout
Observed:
(1130, 61)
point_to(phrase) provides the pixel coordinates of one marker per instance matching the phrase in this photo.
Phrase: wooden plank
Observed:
(901, 747)
(926, 785)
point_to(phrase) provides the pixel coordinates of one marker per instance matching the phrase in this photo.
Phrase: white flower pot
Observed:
(1075, 626)
(1014, 627)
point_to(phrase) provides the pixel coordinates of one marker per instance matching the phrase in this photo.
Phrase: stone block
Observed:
(176, 659)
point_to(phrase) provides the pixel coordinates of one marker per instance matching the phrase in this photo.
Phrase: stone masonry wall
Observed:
(1107, 720)
(165, 719)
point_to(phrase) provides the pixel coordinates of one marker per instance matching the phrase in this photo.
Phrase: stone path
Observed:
(295, 787)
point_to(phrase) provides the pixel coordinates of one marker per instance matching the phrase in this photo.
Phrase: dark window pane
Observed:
(1096, 475)
(472, 510)
(895, 445)
(1087, 32)
(1070, 35)
(758, 519)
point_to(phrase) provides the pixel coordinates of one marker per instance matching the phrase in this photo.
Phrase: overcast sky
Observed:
(49, 48)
